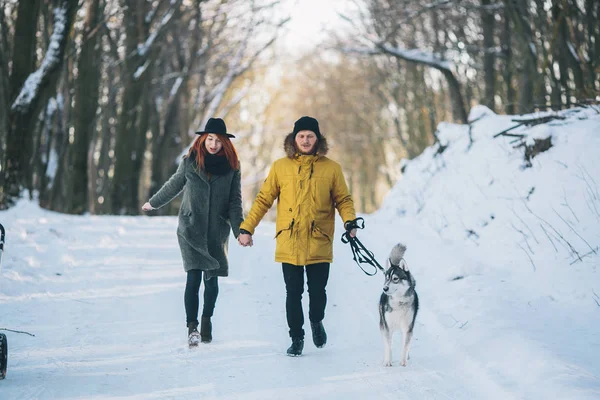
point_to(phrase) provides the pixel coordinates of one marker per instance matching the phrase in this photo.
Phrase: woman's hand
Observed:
(245, 239)
(147, 207)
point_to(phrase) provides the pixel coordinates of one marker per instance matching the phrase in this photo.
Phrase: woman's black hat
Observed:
(217, 126)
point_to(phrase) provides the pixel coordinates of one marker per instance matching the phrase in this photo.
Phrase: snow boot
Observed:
(295, 349)
(193, 334)
(206, 330)
(318, 333)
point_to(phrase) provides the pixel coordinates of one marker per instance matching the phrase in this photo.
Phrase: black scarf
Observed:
(216, 164)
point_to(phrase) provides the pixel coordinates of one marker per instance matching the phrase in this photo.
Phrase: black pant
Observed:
(191, 300)
(317, 276)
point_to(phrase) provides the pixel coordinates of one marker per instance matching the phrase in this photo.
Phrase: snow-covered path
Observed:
(104, 298)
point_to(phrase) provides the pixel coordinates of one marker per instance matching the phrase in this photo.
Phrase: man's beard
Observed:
(311, 151)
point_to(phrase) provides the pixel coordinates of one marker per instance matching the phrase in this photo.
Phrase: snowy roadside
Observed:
(506, 312)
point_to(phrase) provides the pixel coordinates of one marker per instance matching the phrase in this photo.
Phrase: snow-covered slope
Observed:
(540, 224)
(508, 308)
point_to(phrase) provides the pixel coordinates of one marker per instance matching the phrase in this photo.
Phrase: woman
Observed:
(209, 176)
(309, 187)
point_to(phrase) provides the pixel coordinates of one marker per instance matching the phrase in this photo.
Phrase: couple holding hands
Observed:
(308, 187)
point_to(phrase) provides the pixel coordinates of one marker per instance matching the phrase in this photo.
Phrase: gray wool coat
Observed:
(211, 208)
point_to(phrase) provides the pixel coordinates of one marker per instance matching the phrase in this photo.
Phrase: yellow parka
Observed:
(308, 189)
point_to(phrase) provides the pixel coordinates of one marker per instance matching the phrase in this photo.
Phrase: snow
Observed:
(141, 69)
(52, 165)
(144, 48)
(176, 86)
(508, 311)
(419, 56)
(573, 51)
(52, 57)
(416, 55)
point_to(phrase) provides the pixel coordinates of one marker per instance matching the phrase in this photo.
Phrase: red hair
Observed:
(228, 150)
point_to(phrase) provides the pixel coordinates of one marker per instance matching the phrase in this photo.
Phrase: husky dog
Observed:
(398, 304)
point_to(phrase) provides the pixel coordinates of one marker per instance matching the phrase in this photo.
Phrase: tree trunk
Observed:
(489, 58)
(518, 10)
(4, 90)
(130, 133)
(592, 13)
(507, 71)
(24, 48)
(86, 102)
(26, 108)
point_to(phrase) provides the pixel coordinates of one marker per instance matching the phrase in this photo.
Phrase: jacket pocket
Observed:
(320, 245)
(283, 238)
(185, 221)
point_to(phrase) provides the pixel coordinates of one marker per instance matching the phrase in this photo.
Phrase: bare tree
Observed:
(31, 90)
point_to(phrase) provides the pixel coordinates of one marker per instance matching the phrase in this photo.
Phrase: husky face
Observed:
(398, 280)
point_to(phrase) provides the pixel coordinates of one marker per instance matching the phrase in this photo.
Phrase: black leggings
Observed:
(317, 276)
(191, 300)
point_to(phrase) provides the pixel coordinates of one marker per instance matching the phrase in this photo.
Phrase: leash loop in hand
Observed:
(360, 253)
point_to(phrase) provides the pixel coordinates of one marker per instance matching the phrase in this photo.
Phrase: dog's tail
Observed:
(397, 254)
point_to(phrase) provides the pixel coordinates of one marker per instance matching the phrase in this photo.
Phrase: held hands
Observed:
(245, 238)
(147, 207)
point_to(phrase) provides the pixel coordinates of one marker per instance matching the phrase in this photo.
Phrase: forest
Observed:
(99, 99)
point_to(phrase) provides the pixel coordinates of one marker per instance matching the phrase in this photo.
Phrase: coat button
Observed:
(290, 210)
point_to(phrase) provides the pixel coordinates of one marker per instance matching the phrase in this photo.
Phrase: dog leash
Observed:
(360, 253)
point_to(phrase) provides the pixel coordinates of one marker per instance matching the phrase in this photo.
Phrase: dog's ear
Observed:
(403, 265)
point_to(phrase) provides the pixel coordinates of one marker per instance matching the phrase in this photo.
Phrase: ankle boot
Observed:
(192, 326)
(296, 348)
(318, 333)
(206, 330)
(193, 335)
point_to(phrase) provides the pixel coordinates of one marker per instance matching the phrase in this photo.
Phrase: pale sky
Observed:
(308, 20)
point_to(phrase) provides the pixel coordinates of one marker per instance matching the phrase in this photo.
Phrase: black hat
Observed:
(307, 124)
(215, 125)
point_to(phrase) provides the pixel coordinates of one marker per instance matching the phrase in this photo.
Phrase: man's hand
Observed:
(350, 227)
(245, 239)
(147, 207)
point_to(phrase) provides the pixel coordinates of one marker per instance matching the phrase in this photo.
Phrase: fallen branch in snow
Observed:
(593, 251)
(538, 120)
(10, 330)
(505, 132)
(460, 327)
(527, 122)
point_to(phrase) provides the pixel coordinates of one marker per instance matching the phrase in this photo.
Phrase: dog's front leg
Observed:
(387, 347)
(406, 336)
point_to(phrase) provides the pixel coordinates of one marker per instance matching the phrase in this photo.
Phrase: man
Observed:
(309, 187)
